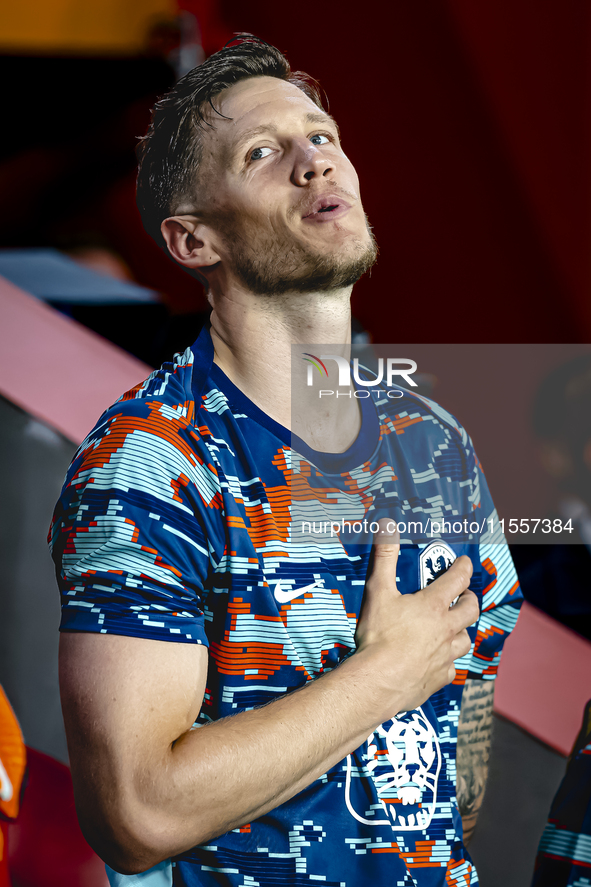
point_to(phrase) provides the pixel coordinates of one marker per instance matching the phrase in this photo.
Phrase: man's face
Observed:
(282, 196)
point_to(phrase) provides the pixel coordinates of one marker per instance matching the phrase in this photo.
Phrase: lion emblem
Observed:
(404, 760)
(434, 560)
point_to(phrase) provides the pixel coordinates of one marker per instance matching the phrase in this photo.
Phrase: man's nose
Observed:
(310, 162)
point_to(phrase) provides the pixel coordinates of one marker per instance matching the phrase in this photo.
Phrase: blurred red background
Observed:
(468, 124)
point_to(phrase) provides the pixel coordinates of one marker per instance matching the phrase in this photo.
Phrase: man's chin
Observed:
(309, 272)
(343, 268)
(341, 276)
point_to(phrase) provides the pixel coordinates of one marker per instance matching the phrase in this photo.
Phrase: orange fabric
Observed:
(13, 759)
(62, 26)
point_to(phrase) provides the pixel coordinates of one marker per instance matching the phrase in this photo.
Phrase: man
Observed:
(327, 720)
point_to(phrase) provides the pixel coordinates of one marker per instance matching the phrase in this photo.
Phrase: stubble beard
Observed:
(271, 265)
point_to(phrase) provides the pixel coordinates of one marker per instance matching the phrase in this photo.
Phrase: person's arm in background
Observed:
(474, 736)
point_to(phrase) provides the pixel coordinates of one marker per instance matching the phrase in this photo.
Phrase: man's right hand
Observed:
(410, 641)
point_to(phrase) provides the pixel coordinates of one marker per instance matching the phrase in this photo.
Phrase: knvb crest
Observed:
(434, 560)
(404, 760)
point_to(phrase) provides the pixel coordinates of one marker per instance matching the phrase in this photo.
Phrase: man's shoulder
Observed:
(171, 383)
(410, 410)
(153, 420)
(148, 445)
(166, 395)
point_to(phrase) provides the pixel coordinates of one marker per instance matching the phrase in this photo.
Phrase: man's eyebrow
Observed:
(252, 133)
(323, 118)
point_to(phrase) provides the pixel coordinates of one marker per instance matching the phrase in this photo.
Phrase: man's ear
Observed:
(189, 242)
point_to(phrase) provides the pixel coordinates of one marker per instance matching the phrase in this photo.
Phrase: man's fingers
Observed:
(466, 611)
(452, 590)
(385, 555)
(388, 532)
(454, 581)
(461, 645)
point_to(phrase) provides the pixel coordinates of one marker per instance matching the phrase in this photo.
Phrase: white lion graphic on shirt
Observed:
(404, 760)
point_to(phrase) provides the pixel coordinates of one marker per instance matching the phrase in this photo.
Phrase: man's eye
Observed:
(259, 153)
(319, 139)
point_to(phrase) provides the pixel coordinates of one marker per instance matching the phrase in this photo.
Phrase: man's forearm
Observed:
(474, 735)
(274, 751)
(184, 797)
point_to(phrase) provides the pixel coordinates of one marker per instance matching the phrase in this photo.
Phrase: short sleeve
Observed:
(501, 602)
(495, 578)
(128, 536)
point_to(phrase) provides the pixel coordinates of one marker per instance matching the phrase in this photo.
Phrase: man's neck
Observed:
(253, 339)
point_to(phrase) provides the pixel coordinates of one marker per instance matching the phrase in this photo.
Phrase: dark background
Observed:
(468, 124)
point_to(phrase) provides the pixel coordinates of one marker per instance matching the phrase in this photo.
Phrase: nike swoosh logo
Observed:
(284, 596)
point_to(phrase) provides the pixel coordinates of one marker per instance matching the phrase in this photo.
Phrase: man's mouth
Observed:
(327, 208)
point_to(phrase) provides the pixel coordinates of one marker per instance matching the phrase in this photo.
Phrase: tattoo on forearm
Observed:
(474, 732)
